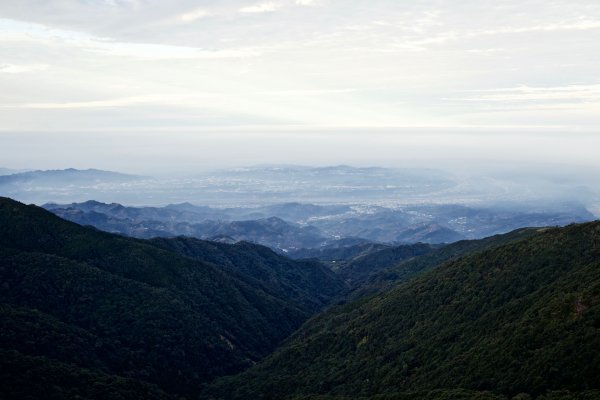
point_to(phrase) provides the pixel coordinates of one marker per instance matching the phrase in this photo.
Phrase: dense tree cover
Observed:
(390, 275)
(363, 261)
(31, 378)
(460, 394)
(359, 269)
(91, 315)
(307, 282)
(339, 250)
(520, 320)
(89, 304)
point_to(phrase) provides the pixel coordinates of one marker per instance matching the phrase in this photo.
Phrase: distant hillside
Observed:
(126, 315)
(65, 184)
(173, 212)
(9, 171)
(259, 186)
(520, 319)
(445, 223)
(149, 222)
(64, 176)
(292, 227)
(273, 232)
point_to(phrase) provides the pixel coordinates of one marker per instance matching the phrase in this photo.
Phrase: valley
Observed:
(299, 200)
(181, 316)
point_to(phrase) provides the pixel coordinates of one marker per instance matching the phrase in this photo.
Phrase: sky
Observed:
(204, 82)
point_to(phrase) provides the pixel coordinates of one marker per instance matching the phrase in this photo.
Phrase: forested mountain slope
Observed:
(306, 282)
(389, 276)
(521, 318)
(359, 269)
(88, 304)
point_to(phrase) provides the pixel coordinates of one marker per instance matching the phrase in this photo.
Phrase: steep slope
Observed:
(428, 233)
(358, 263)
(338, 250)
(386, 278)
(522, 318)
(308, 283)
(125, 307)
(358, 270)
(27, 377)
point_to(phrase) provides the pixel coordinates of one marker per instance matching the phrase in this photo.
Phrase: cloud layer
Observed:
(124, 64)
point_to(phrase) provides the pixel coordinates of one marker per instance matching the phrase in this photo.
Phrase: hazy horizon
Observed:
(508, 91)
(184, 153)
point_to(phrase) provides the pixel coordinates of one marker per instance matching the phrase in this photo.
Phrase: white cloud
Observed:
(59, 38)
(396, 63)
(525, 93)
(306, 92)
(269, 6)
(580, 25)
(197, 100)
(19, 69)
(164, 52)
(194, 15)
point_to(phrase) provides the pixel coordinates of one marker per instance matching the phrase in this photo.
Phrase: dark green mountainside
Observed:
(340, 250)
(390, 274)
(520, 319)
(356, 263)
(359, 269)
(98, 313)
(308, 283)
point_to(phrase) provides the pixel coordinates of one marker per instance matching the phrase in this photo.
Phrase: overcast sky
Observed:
(179, 67)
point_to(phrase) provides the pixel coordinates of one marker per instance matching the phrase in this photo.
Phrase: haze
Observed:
(173, 88)
(185, 153)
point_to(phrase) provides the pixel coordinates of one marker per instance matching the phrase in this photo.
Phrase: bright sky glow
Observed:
(133, 64)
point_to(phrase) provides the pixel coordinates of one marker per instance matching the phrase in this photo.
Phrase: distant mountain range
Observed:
(9, 171)
(237, 186)
(41, 186)
(167, 222)
(267, 185)
(290, 227)
(57, 177)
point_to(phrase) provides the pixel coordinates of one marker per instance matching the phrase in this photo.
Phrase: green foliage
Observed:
(31, 378)
(125, 307)
(444, 394)
(90, 315)
(405, 269)
(520, 319)
(359, 269)
(307, 283)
